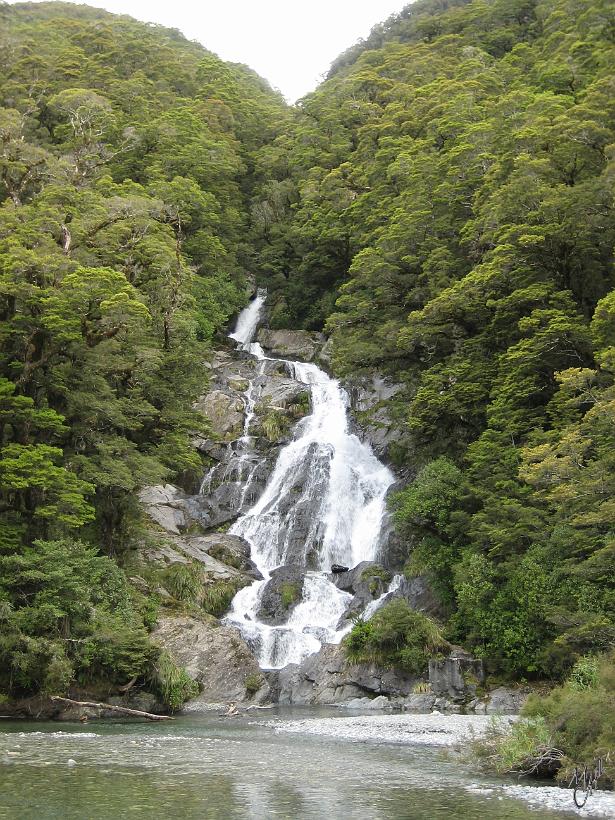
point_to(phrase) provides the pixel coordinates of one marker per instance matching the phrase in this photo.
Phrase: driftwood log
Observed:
(122, 710)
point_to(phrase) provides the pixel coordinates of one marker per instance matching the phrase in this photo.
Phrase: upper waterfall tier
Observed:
(248, 320)
(323, 504)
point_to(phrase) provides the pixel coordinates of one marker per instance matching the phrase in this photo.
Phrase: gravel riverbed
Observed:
(431, 729)
(446, 731)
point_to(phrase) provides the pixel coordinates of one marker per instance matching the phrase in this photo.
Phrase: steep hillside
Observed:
(444, 208)
(126, 161)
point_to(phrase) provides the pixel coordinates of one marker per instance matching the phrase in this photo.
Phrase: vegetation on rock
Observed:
(395, 637)
(126, 164)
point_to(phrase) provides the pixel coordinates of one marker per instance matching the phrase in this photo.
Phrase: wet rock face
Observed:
(224, 413)
(327, 678)
(214, 655)
(231, 550)
(366, 582)
(369, 398)
(457, 676)
(281, 392)
(420, 597)
(302, 345)
(281, 595)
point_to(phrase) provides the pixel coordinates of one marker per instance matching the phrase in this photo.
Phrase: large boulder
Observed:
(230, 551)
(214, 655)
(291, 344)
(457, 676)
(366, 582)
(319, 680)
(506, 701)
(327, 678)
(281, 595)
(281, 391)
(166, 505)
(225, 413)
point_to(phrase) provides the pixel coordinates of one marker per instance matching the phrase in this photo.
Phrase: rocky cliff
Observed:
(188, 530)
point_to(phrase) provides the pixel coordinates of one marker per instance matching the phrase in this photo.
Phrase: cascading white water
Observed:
(323, 505)
(248, 320)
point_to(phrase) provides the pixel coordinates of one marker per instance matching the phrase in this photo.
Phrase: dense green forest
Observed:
(126, 166)
(442, 206)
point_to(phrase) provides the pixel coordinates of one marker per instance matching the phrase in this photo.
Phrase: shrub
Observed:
(573, 725)
(217, 596)
(184, 582)
(173, 684)
(585, 674)
(253, 682)
(274, 424)
(67, 613)
(396, 636)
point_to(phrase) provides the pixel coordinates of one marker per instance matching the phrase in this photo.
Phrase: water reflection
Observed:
(204, 767)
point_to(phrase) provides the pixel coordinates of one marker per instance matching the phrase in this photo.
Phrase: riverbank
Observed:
(429, 729)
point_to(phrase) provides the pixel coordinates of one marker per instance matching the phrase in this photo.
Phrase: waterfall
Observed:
(248, 320)
(323, 505)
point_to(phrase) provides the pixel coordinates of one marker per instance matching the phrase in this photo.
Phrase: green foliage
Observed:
(397, 637)
(274, 423)
(172, 683)
(376, 572)
(584, 674)
(125, 191)
(576, 719)
(525, 747)
(217, 595)
(67, 614)
(184, 582)
(290, 593)
(253, 683)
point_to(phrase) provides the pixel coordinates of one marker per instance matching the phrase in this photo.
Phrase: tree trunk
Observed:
(121, 709)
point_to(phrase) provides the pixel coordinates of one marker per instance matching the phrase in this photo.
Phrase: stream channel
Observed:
(204, 766)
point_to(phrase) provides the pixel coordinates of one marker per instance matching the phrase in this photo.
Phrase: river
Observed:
(204, 766)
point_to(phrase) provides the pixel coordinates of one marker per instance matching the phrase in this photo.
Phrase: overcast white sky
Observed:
(289, 43)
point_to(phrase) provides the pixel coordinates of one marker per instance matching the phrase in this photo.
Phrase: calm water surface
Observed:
(203, 766)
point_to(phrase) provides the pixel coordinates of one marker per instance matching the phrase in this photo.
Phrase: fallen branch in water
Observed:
(121, 709)
(544, 759)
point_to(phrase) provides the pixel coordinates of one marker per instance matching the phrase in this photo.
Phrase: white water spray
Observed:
(248, 320)
(324, 504)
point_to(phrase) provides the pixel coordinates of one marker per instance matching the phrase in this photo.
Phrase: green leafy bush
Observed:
(184, 582)
(67, 614)
(585, 674)
(253, 682)
(396, 636)
(217, 595)
(173, 684)
(571, 726)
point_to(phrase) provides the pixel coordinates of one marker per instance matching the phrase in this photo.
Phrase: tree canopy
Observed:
(443, 207)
